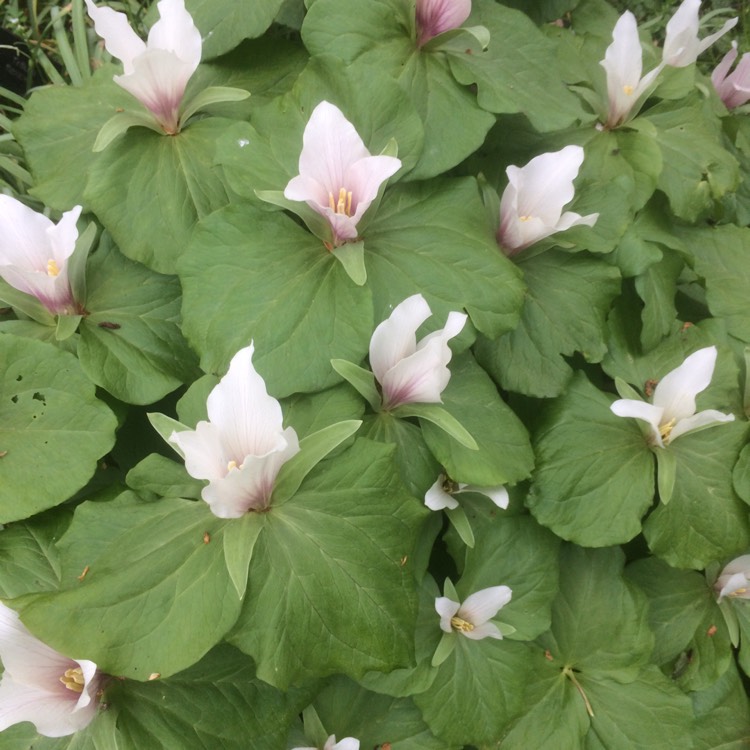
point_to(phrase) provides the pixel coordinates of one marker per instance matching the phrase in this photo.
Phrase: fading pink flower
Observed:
(338, 177)
(681, 43)
(436, 16)
(34, 254)
(734, 580)
(472, 618)
(56, 694)
(411, 372)
(156, 71)
(531, 207)
(242, 447)
(734, 87)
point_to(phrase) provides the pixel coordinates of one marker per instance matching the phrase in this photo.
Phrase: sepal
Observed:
(363, 381)
(209, 96)
(457, 517)
(351, 255)
(666, 472)
(440, 417)
(120, 124)
(240, 536)
(444, 649)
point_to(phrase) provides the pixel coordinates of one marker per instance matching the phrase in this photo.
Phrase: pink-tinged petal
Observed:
(53, 292)
(721, 71)
(205, 457)
(736, 586)
(364, 178)
(308, 189)
(485, 630)
(623, 64)
(176, 32)
(119, 39)
(446, 608)
(344, 227)
(483, 605)
(676, 391)
(436, 498)
(24, 235)
(498, 495)
(395, 338)
(698, 421)
(437, 16)
(652, 415)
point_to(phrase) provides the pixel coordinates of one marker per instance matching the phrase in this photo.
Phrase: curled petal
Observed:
(734, 579)
(485, 630)
(446, 608)
(681, 43)
(498, 495)
(437, 498)
(699, 421)
(205, 456)
(676, 391)
(119, 39)
(348, 743)
(437, 16)
(652, 415)
(483, 605)
(176, 32)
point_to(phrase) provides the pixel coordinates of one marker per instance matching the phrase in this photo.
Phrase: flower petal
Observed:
(482, 605)
(721, 71)
(436, 498)
(736, 585)
(364, 178)
(24, 236)
(120, 40)
(701, 420)
(436, 16)
(348, 743)
(446, 608)
(498, 495)
(653, 415)
(205, 456)
(176, 32)
(485, 630)
(676, 391)
(63, 235)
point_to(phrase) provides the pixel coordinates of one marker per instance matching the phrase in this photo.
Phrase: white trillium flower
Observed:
(681, 43)
(672, 411)
(34, 254)
(411, 372)
(472, 617)
(242, 447)
(734, 580)
(348, 743)
(532, 205)
(338, 177)
(733, 88)
(157, 71)
(437, 16)
(55, 693)
(442, 494)
(623, 63)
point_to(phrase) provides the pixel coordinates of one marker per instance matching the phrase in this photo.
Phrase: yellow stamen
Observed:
(457, 623)
(739, 592)
(665, 430)
(231, 465)
(450, 486)
(628, 90)
(344, 203)
(73, 679)
(52, 268)
(525, 218)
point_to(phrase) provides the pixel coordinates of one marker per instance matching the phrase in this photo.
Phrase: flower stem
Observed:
(569, 673)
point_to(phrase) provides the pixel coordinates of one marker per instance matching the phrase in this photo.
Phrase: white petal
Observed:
(63, 236)
(681, 39)
(676, 391)
(570, 219)
(721, 71)
(737, 584)
(485, 604)
(348, 743)
(711, 38)
(698, 421)
(24, 236)
(626, 407)
(395, 338)
(176, 32)
(120, 40)
(436, 498)
(446, 608)
(485, 630)
(623, 63)
(498, 495)
(364, 178)
(205, 457)
(740, 564)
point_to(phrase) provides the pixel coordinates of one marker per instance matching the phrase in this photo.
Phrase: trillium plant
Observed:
(375, 375)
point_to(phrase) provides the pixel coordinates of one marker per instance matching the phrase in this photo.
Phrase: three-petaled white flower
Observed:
(733, 88)
(442, 494)
(672, 412)
(411, 372)
(681, 43)
(472, 617)
(40, 685)
(531, 207)
(623, 63)
(338, 177)
(242, 447)
(734, 580)
(157, 71)
(34, 254)
(437, 16)
(348, 743)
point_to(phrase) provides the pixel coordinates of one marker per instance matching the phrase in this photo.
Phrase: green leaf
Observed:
(168, 182)
(52, 427)
(438, 416)
(327, 591)
(363, 381)
(352, 257)
(293, 314)
(165, 426)
(657, 287)
(459, 521)
(741, 475)
(564, 312)
(594, 475)
(143, 556)
(160, 476)
(240, 537)
(444, 649)
(131, 344)
(310, 412)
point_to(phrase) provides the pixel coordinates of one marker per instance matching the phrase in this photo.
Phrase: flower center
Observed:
(450, 486)
(344, 203)
(232, 465)
(665, 430)
(458, 623)
(739, 592)
(525, 218)
(52, 268)
(73, 679)
(628, 89)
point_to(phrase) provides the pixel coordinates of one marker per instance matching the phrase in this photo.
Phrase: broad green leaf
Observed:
(504, 454)
(657, 287)
(564, 312)
(168, 182)
(52, 427)
(131, 343)
(311, 412)
(705, 520)
(594, 475)
(293, 313)
(327, 591)
(741, 475)
(143, 584)
(159, 476)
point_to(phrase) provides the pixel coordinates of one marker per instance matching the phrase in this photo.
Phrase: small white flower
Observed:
(242, 447)
(411, 372)
(681, 43)
(56, 694)
(532, 205)
(472, 617)
(442, 494)
(672, 412)
(348, 743)
(734, 580)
